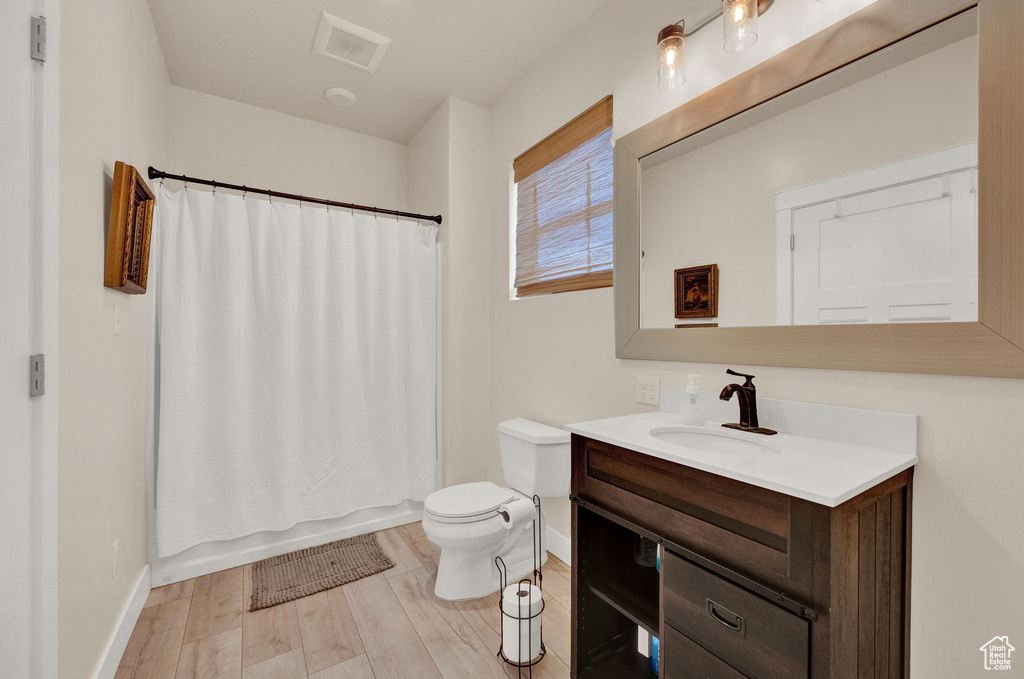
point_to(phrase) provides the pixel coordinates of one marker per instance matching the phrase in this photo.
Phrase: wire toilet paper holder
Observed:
(537, 580)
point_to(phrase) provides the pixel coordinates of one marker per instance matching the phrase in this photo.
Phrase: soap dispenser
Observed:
(691, 411)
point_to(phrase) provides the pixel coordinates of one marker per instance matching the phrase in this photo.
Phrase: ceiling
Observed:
(260, 52)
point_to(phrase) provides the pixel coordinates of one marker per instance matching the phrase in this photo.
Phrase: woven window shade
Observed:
(564, 207)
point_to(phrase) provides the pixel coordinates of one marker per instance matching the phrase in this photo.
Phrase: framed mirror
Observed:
(850, 203)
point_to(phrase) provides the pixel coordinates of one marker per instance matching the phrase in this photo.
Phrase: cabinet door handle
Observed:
(723, 616)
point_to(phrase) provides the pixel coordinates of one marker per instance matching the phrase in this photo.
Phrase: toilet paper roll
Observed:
(516, 512)
(520, 639)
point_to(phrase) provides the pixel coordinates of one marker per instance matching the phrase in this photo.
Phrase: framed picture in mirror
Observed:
(696, 291)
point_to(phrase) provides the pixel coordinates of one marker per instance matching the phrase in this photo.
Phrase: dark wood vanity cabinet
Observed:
(752, 583)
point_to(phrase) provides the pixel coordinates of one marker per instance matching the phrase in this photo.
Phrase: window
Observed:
(564, 207)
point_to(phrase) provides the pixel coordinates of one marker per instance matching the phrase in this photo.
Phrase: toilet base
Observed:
(468, 576)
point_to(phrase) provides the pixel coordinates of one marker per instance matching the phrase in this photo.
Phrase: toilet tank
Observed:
(535, 457)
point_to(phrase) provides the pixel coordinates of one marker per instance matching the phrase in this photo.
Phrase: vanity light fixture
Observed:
(740, 29)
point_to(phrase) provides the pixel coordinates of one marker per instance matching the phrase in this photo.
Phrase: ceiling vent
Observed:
(350, 44)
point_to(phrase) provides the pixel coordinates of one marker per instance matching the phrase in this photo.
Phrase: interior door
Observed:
(899, 253)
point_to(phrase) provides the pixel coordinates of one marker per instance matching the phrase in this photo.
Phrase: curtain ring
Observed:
(244, 192)
(300, 201)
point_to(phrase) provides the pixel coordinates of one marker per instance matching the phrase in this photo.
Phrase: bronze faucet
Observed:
(746, 394)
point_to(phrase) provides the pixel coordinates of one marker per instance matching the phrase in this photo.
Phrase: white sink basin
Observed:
(824, 454)
(713, 440)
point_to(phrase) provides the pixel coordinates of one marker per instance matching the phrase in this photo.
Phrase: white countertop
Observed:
(822, 471)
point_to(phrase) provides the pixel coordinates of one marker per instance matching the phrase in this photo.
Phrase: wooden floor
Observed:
(388, 626)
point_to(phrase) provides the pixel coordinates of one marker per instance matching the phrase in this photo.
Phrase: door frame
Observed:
(41, 288)
(960, 158)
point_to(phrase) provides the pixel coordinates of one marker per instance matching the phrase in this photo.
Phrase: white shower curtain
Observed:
(297, 365)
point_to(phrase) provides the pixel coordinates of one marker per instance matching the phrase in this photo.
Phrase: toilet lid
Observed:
(467, 499)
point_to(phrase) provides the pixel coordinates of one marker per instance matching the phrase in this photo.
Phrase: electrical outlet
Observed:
(113, 560)
(648, 390)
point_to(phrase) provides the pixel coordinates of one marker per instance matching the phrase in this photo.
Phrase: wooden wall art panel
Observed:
(131, 224)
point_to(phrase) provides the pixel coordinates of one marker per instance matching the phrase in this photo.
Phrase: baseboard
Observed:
(559, 545)
(164, 574)
(129, 616)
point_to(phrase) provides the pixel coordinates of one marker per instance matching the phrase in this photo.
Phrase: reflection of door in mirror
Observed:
(875, 166)
(893, 244)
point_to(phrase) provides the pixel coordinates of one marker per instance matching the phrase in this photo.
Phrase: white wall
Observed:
(553, 356)
(429, 183)
(429, 165)
(113, 106)
(220, 139)
(717, 202)
(467, 330)
(448, 171)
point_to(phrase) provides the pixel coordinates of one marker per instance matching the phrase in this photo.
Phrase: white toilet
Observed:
(464, 522)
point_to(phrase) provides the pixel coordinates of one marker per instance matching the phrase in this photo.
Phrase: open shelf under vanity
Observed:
(633, 591)
(621, 597)
(625, 661)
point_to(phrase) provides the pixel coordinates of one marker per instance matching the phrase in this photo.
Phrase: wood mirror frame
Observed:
(993, 345)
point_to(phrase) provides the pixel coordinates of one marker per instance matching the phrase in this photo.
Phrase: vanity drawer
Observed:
(684, 659)
(758, 637)
(756, 514)
(757, 532)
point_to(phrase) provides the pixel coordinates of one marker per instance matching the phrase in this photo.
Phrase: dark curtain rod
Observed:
(157, 174)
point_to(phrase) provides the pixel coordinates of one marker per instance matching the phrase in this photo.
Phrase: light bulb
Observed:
(740, 24)
(671, 58)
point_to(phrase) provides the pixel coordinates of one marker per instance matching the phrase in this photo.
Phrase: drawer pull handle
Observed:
(725, 617)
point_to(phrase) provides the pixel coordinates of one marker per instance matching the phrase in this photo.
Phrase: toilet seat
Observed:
(467, 502)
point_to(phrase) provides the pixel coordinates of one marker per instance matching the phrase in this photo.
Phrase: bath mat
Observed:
(284, 578)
